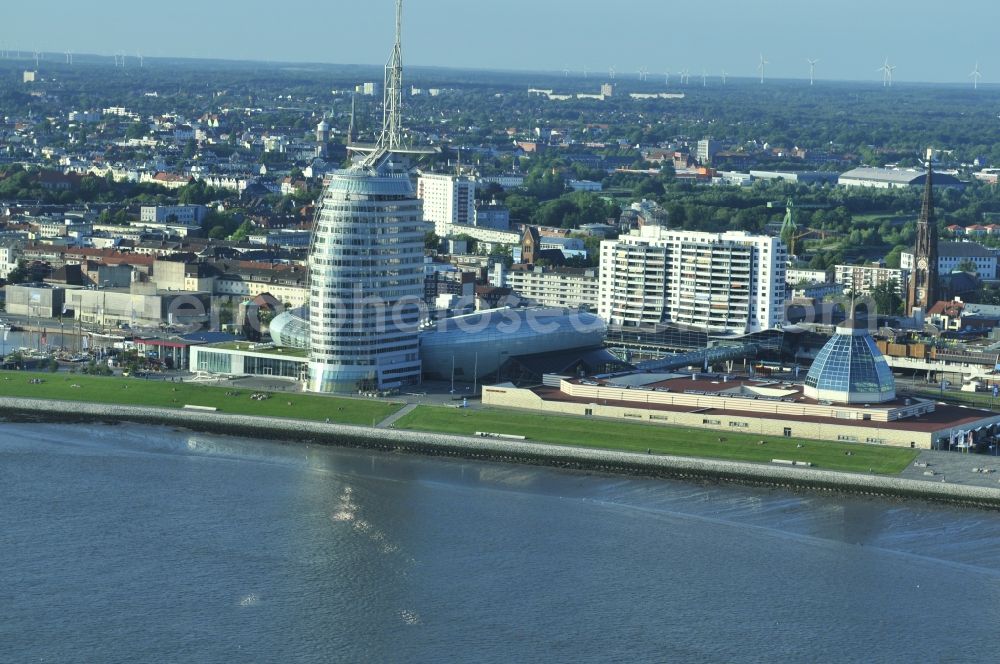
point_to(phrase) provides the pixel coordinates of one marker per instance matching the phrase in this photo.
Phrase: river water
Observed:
(143, 544)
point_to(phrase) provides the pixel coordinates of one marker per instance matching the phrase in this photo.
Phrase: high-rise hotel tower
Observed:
(366, 266)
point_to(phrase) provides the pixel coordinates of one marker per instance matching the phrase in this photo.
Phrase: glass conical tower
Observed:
(366, 267)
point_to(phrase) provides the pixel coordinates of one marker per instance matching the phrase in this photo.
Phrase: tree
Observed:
(967, 265)
(242, 232)
(887, 301)
(431, 241)
(19, 274)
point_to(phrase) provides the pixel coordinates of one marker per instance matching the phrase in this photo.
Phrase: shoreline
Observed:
(506, 451)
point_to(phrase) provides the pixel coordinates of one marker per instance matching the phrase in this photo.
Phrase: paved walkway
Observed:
(389, 421)
(955, 468)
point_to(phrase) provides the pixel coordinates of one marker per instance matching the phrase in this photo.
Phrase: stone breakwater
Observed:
(491, 449)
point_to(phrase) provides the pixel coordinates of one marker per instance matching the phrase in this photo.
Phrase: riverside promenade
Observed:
(510, 451)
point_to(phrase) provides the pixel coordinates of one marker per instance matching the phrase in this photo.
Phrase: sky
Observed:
(926, 40)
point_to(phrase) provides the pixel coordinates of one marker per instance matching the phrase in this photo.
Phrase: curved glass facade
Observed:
(366, 268)
(850, 369)
(291, 328)
(478, 343)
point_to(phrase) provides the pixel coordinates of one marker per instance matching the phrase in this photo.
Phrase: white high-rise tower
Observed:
(366, 265)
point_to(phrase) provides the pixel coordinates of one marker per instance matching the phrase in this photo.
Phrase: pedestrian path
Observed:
(389, 421)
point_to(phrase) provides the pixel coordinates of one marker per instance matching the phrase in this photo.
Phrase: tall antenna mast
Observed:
(350, 126)
(392, 99)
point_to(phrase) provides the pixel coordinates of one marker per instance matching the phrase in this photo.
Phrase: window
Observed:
(788, 432)
(707, 421)
(588, 411)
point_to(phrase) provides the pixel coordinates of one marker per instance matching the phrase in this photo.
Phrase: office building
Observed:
(953, 255)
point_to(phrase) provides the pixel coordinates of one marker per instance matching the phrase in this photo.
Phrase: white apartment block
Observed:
(9, 256)
(731, 282)
(794, 276)
(861, 279)
(448, 200)
(188, 215)
(551, 287)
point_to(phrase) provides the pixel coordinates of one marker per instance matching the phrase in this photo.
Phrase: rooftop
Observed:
(263, 349)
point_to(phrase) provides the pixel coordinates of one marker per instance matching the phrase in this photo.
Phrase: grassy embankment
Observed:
(139, 392)
(661, 439)
(561, 430)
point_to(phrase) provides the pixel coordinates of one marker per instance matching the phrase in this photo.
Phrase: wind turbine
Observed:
(760, 67)
(666, 75)
(975, 76)
(686, 76)
(724, 74)
(886, 70)
(812, 69)
(611, 72)
(703, 83)
(139, 55)
(69, 58)
(37, 57)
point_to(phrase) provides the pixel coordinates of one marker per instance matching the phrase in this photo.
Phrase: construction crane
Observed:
(789, 229)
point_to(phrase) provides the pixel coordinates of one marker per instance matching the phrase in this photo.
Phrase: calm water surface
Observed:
(143, 544)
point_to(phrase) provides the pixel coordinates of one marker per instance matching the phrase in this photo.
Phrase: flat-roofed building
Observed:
(550, 286)
(892, 178)
(448, 200)
(861, 279)
(952, 255)
(731, 282)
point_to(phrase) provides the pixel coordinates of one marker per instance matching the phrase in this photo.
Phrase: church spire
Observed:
(923, 289)
(927, 209)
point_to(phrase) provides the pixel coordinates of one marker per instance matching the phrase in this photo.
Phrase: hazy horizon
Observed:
(521, 36)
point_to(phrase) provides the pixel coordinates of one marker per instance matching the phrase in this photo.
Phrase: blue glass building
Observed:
(850, 369)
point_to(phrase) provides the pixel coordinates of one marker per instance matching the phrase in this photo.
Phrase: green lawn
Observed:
(140, 392)
(662, 439)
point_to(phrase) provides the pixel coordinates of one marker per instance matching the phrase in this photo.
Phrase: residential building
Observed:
(794, 276)
(707, 149)
(550, 286)
(447, 200)
(861, 279)
(730, 282)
